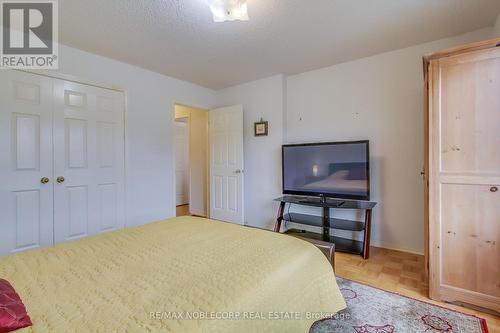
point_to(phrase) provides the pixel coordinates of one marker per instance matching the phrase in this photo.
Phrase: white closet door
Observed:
(26, 205)
(89, 160)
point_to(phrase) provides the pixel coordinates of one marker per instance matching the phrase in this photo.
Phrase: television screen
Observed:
(337, 169)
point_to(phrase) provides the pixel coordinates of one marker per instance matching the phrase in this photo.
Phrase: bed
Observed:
(177, 275)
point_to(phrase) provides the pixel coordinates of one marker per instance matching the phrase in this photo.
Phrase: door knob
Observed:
(238, 171)
(494, 189)
(60, 179)
(44, 180)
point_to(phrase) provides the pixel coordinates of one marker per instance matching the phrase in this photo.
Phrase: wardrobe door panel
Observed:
(470, 215)
(470, 117)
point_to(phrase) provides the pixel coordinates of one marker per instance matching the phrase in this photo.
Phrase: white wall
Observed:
(260, 99)
(149, 128)
(379, 98)
(496, 28)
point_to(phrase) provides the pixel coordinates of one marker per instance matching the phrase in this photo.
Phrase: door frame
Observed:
(80, 80)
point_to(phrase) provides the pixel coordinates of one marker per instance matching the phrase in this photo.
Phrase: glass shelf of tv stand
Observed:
(317, 221)
(341, 244)
(328, 202)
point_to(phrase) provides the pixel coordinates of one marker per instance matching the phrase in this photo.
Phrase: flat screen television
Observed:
(333, 169)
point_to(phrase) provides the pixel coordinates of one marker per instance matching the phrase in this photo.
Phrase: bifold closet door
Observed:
(88, 160)
(26, 191)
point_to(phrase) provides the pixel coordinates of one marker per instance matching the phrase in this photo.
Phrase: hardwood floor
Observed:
(182, 210)
(398, 272)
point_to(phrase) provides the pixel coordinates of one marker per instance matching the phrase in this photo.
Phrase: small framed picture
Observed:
(261, 128)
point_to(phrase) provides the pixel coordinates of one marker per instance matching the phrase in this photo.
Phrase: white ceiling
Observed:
(179, 39)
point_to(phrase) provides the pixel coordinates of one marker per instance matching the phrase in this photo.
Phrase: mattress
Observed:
(185, 274)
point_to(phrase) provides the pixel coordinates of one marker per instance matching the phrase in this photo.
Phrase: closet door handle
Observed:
(44, 180)
(60, 179)
(493, 189)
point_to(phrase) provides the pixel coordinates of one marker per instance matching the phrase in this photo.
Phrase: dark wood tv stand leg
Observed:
(279, 218)
(366, 237)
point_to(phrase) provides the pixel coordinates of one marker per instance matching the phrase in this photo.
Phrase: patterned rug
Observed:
(372, 310)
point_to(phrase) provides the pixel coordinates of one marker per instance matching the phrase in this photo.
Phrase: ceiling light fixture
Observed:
(229, 10)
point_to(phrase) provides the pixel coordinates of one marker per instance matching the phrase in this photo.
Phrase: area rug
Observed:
(372, 310)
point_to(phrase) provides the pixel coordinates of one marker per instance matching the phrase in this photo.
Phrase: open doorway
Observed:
(191, 161)
(182, 166)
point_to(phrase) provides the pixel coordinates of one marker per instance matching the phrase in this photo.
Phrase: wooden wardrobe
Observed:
(462, 174)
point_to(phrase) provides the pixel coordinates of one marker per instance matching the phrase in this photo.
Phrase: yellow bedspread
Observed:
(166, 276)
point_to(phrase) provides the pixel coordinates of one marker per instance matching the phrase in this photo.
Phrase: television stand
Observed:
(326, 222)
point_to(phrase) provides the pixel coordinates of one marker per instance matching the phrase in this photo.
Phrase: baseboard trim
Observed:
(395, 248)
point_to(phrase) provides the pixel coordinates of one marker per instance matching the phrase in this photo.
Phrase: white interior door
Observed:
(26, 204)
(226, 164)
(182, 162)
(89, 160)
